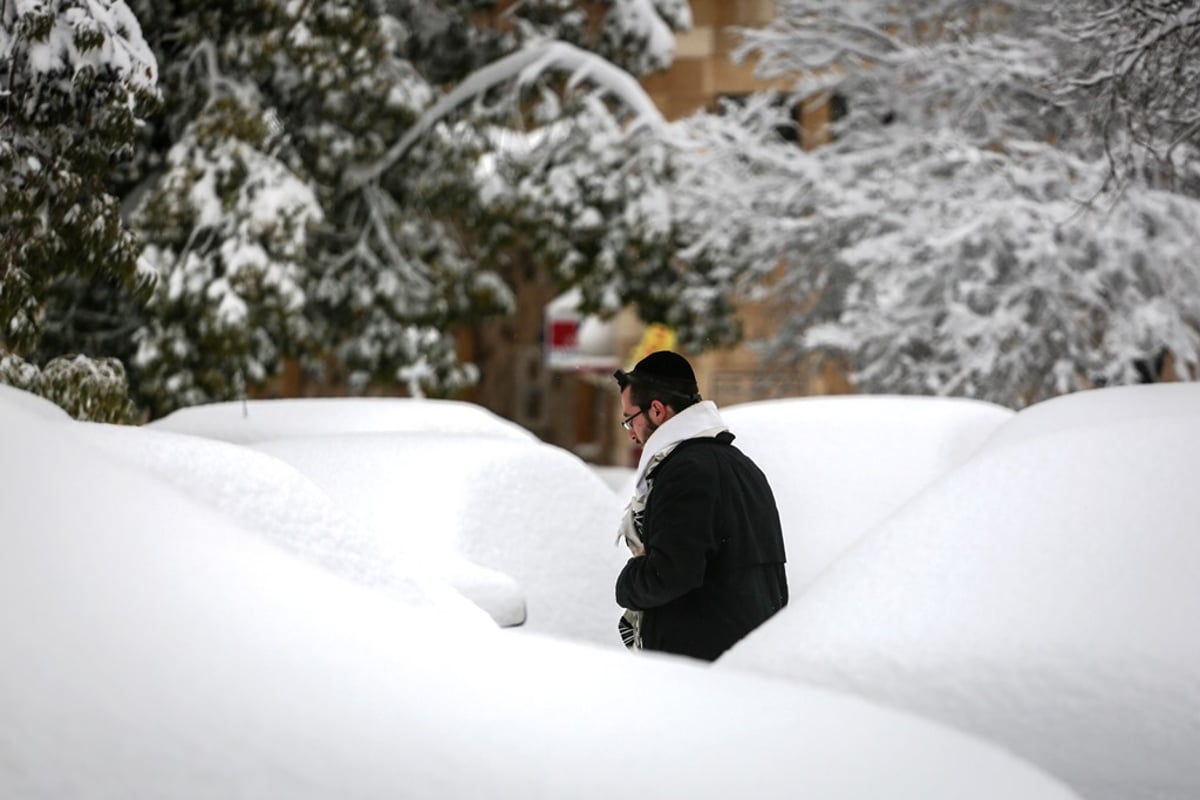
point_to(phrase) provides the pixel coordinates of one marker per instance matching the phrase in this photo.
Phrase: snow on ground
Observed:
(30, 404)
(525, 509)
(840, 465)
(619, 479)
(263, 420)
(156, 648)
(1040, 595)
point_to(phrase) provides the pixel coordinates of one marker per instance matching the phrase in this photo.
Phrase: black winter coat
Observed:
(714, 564)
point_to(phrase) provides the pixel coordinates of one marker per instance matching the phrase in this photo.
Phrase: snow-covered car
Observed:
(276, 501)
(1039, 595)
(155, 647)
(237, 482)
(249, 421)
(522, 508)
(524, 529)
(839, 465)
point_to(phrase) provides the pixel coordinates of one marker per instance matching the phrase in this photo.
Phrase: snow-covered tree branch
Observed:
(1143, 81)
(529, 64)
(268, 211)
(960, 234)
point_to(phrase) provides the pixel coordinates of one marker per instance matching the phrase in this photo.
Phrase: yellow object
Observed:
(656, 337)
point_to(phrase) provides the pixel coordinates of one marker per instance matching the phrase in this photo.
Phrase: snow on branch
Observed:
(641, 15)
(99, 34)
(524, 66)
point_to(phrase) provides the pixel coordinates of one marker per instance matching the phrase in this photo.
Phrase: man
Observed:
(708, 557)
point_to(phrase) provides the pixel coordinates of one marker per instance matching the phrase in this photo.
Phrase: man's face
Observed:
(641, 426)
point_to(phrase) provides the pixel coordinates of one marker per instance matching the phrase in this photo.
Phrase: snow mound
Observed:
(270, 498)
(264, 420)
(19, 401)
(1040, 596)
(839, 465)
(525, 509)
(155, 649)
(1099, 407)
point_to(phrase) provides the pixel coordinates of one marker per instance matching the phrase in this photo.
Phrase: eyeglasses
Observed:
(627, 423)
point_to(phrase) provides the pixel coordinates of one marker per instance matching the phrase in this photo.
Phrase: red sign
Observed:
(562, 334)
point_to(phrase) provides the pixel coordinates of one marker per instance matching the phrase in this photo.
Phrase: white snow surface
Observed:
(156, 648)
(263, 420)
(840, 465)
(1040, 595)
(1098, 408)
(619, 479)
(26, 403)
(270, 498)
(523, 508)
(357, 538)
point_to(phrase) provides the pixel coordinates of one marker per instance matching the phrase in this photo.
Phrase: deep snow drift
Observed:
(1041, 595)
(155, 647)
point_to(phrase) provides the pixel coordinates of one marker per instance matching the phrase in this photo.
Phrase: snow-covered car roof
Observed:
(526, 509)
(263, 420)
(154, 647)
(1098, 408)
(839, 465)
(250, 490)
(1041, 595)
(274, 500)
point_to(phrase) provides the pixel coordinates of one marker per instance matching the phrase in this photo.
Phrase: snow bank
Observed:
(1041, 595)
(528, 510)
(839, 465)
(619, 479)
(1099, 407)
(27, 403)
(263, 420)
(274, 500)
(155, 649)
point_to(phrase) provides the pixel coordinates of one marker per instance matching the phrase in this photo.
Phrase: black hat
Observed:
(664, 370)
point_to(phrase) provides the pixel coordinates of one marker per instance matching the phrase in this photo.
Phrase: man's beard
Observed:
(650, 429)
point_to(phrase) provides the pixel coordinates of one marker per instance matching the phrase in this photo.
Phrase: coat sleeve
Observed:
(679, 533)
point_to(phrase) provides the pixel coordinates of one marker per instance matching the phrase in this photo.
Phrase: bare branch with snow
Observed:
(521, 67)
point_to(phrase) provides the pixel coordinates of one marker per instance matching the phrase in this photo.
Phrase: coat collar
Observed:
(701, 420)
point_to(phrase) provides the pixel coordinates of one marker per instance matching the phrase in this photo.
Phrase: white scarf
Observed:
(698, 421)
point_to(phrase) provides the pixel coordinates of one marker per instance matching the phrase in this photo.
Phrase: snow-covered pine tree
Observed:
(957, 236)
(266, 242)
(74, 78)
(261, 254)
